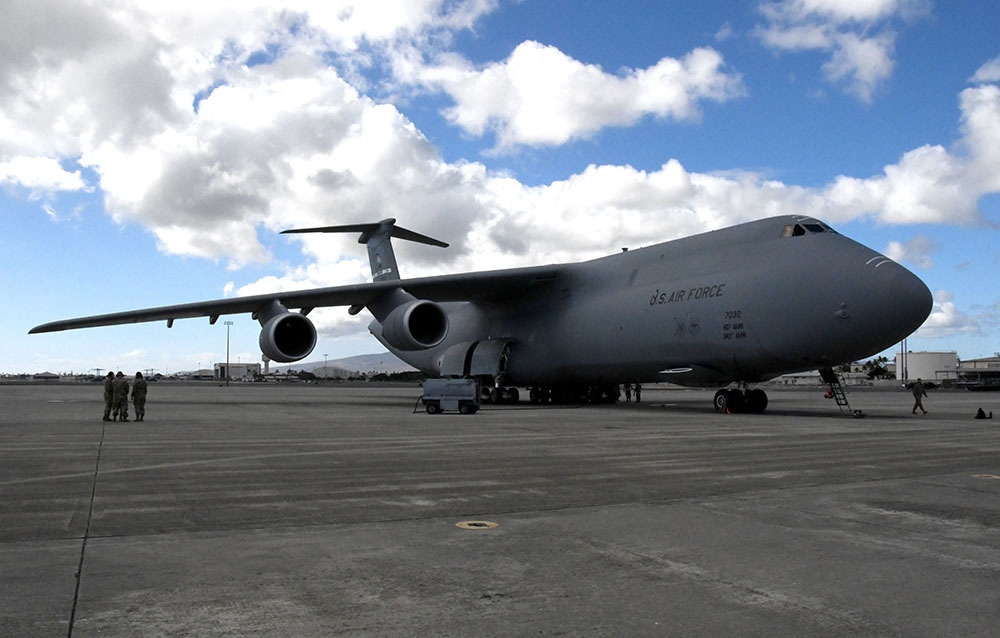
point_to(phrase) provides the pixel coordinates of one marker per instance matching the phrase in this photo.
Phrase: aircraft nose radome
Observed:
(909, 300)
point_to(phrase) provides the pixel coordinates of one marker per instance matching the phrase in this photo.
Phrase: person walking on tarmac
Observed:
(109, 394)
(139, 397)
(918, 394)
(120, 399)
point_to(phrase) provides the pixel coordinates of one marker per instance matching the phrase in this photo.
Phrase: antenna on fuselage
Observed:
(376, 237)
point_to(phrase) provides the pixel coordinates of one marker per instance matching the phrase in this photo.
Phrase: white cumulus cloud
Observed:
(541, 96)
(947, 320)
(989, 72)
(40, 174)
(858, 36)
(917, 251)
(213, 152)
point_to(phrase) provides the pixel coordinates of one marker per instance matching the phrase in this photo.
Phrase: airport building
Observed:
(237, 371)
(929, 366)
(945, 368)
(980, 374)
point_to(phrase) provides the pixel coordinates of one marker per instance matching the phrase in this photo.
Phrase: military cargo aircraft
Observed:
(739, 305)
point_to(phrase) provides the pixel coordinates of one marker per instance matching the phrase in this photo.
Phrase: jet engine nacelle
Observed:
(416, 325)
(287, 337)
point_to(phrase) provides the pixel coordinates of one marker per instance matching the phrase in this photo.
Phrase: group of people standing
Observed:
(633, 389)
(116, 395)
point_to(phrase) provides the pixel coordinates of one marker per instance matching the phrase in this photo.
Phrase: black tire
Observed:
(737, 401)
(433, 408)
(730, 401)
(721, 401)
(756, 401)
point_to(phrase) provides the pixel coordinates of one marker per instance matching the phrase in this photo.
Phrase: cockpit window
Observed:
(797, 230)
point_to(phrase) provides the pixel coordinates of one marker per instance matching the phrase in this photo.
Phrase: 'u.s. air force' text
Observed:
(687, 294)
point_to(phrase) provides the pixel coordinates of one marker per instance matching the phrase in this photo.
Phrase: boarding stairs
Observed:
(832, 379)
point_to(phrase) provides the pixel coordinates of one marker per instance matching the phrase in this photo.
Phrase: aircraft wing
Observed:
(497, 285)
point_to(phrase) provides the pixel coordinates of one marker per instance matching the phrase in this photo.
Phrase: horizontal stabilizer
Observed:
(369, 230)
(377, 238)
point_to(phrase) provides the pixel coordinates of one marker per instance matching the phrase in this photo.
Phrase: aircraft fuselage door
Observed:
(456, 360)
(490, 358)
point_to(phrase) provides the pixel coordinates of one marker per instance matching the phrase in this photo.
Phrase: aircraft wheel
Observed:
(756, 401)
(595, 395)
(721, 400)
(495, 396)
(562, 395)
(514, 395)
(604, 394)
(729, 401)
(737, 401)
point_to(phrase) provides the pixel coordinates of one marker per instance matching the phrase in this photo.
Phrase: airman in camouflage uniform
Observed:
(108, 395)
(139, 396)
(120, 399)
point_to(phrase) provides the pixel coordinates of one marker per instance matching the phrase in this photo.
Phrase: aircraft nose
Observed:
(908, 300)
(883, 304)
(880, 304)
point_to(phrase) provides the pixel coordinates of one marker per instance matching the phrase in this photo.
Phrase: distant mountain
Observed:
(378, 362)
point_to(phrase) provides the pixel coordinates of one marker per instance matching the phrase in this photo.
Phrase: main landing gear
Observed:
(560, 395)
(736, 400)
(569, 394)
(500, 395)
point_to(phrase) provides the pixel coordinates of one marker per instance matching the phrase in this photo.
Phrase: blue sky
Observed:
(150, 155)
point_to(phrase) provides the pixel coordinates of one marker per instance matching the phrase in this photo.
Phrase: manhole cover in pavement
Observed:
(477, 525)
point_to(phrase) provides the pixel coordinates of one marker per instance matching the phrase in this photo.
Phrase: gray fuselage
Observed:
(741, 304)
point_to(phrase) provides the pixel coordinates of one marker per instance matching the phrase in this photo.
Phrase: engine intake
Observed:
(287, 337)
(417, 325)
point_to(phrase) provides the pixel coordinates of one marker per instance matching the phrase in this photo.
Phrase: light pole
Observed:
(228, 323)
(326, 371)
(906, 360)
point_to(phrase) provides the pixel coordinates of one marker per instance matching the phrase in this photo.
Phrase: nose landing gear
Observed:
(735, 400)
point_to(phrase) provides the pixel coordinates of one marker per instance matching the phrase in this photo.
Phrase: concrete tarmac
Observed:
(295, 510)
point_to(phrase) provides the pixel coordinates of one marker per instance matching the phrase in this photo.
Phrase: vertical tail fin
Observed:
(377, 237)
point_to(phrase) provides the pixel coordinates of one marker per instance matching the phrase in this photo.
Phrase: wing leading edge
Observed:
(490, 286)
